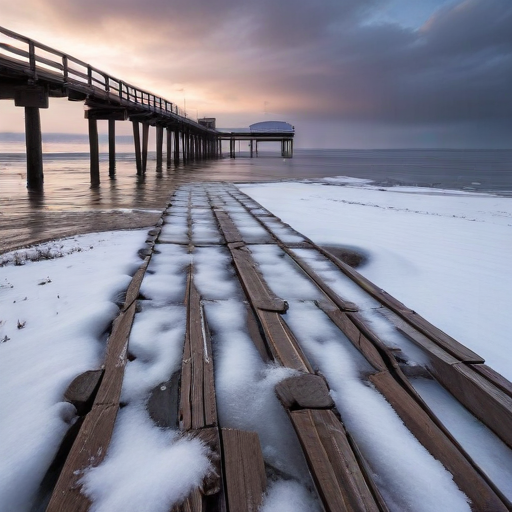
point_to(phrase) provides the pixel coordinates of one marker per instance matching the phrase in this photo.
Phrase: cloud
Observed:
(330, 60)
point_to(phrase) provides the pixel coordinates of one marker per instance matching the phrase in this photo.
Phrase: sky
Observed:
(345, 73)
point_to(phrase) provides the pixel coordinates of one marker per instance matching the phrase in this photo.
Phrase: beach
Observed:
(443, 253)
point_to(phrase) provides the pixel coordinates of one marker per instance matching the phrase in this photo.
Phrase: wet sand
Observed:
(68, 206)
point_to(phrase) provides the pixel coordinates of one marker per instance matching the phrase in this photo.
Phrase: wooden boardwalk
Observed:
(339, 467)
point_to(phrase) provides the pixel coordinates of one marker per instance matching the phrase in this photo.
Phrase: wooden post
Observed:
(94, 152)
(159, 146)
(184, 145)
(291, 148)
(250, 145)
(169, 146)
(34, 146)
(145, 138)
(136, 141)
(111, 147)
(177, 134)
(256, 148)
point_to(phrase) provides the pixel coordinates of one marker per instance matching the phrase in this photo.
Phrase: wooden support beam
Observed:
(169, 147)
(177, 135)
(34, 147)
(112, 147)
(145, 140)
(136, 141)
(94, 152)
(159, 147)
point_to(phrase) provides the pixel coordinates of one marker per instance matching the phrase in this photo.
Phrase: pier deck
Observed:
(218, 216)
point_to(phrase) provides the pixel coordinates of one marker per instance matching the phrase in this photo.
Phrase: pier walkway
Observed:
(204, 220)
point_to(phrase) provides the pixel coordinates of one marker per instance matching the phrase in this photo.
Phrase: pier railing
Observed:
(39, 60)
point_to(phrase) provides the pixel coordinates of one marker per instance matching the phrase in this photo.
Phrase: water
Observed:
(69, 205)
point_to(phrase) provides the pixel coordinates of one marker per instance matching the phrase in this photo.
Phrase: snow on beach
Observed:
(54, 315)
(445, 254)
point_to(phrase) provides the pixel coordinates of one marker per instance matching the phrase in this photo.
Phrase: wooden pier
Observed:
(340, 468)
(31, 73)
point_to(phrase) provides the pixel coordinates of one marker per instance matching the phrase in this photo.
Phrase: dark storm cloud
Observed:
(321, 57)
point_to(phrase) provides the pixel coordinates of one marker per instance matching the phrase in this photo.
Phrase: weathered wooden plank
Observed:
(210, 400)
(444, 340)
(341, 303)
(228, 227)
(430, 347)
(197, 355)
(282, 342)
(336, 473)
(255, 334)
(491, 375)
(367, 472)
(437, 443)
(358, 339)
(451, 345)
(244, 470)
(210, 496)
(486, 401)
(133, 289)
(197, 397)
(82, 390)
(94, 437)
(255, 287)
(305, 391)
(185, 410)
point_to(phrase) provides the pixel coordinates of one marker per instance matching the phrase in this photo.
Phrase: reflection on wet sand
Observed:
(68, 205)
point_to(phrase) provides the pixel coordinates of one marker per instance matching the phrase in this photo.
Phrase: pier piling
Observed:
(111, 147)
(159, 146)
(136, 142)
(94, 152)
(34, 146)
(145, 140)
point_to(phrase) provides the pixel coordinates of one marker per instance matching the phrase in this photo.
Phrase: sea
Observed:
(67, 188)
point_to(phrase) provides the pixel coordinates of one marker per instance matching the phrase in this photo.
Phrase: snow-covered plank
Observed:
(133, 289)
(333, 465)
(210, 496)
(197, 401)
(468, 479)
(358, 339)
(255, 334)
(417, 321)
(244, 469)
(255, 287)
(93, 440)
(282, 343)
(487, 402)
(229, 229)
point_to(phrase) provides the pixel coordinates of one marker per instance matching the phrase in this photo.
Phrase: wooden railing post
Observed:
(32, 59)
(65, 70)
